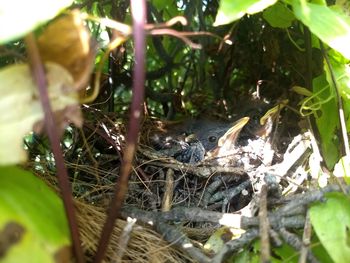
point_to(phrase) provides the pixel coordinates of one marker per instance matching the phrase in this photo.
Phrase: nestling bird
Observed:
(189, 141)
(192, 150)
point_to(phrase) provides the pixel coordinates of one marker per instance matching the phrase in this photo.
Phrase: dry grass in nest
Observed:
(144, 246)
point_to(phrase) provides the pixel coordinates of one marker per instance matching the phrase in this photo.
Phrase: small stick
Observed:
(169, 190)
(124, 239)
(306, 240)
(264, 226)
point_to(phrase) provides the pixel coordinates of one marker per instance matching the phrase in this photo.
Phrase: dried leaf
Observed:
(67, 41)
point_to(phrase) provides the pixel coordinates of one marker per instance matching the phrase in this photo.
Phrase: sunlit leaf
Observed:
(331, 221)
(18, 18)
(20, 102)
(344, 5)
(327, 120)
(330, 26)
(230, 11)
(342, 168)
(279, 16)
(33, 226)
(341, 73)
(286, 253)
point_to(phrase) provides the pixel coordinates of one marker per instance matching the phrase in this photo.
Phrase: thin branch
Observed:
(62, 175)
(264, 227)
(124, 239)
(305, 247)
(138, 10)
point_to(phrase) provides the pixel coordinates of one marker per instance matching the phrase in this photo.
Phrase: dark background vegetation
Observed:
(238, 66)
(214, 80)
(181, 81)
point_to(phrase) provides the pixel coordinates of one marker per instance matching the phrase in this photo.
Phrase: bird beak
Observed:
(227, 142)
(230, 137)
(271, 113)
(269, 118)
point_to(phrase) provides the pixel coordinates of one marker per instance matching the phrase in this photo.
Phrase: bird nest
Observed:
(180, 206)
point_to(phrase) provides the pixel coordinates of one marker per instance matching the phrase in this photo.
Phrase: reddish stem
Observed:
(138, 10)
(39, 77)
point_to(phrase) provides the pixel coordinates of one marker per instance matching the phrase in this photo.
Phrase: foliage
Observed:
(19, 89)
(22, 21)
(332, 26)
(334, 214)
(256, 44)
(32, 219)
(230, 11)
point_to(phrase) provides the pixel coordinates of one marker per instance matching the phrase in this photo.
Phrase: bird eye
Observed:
(212, 138)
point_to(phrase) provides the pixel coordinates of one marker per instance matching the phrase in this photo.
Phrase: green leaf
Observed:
(330, 26)
(346, 106)
(285, 253)
(319, 2)
(231, 10)
(326, 120)
(331, 221)
(319, 251)
(329, 120)
(241, 257)
(20, 17)
(32, 213)
(341, 73)
(278, 16)
(160, 4)
(342, 168)
(344, 5)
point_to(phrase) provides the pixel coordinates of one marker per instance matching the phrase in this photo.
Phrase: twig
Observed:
(138, 9)
(264, 227)
(299, 200)
(169, 190)
(235, 245)
(306, 240)
(62, 175)
(228, 194)
(170, 233)
(294, 241)
(204, 169)
(275, 238)
(209, 191)
(194, 214)
(175, 237)
(124, 239)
